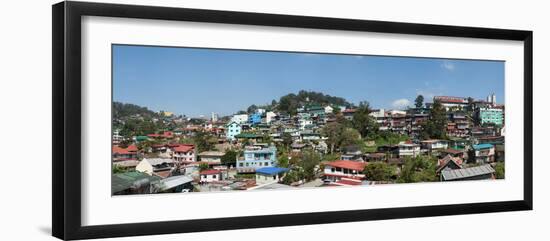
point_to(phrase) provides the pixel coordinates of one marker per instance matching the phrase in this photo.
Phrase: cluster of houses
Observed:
(475, 144)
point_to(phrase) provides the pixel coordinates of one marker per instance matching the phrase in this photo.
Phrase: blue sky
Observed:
(194, 81)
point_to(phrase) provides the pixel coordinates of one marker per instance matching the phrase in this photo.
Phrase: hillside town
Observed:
(307, 140)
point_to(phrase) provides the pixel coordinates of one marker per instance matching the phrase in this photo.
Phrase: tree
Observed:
(252, 109)
(499, 168)
(287, 139)
(203, 141)
(203, 166)
(418, 169)
(283, 161)
(379, 171)
(363, 122)
(229, 158)
(436, 125)
(349, 137)
(310, 159)
(419, 101)
(118, 169)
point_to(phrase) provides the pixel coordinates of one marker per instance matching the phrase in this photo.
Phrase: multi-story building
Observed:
(232, 129)
(408, 150)
(337, 170)
(458, 124)
(490, 116)
(255, 118)
(484, 153)
(257, 156)
(451, 102)
(183, 153)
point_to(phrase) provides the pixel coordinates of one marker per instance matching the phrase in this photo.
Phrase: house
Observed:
(434, 145)
(310, 136)
(211, 156)
(408, 149)
(232, 129)
(451, 102)
(184, 153)
(453, 153)
(348, 113)
(267, 175)
(248, 136)
(339, 169)
(375, 157)
(449, 163)
(211, 175)
(133, 183)
(124, 154)
(328, 109)
(484, 153)
(255, 118)
(483, 172)
(257, 156)
(161, 167)
(270, 116)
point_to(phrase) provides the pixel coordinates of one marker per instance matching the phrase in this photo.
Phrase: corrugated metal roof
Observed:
(467, 172)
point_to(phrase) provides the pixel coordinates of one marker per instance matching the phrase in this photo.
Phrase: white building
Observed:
(240, 119)
(151, 165)
(434, 145)
(267, 175)
(328, 109)
(211, 175)
(406, 149)
(270, 116)
(337, 170)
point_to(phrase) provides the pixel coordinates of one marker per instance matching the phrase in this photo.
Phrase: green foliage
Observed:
(203, 141)
(340, 136)
(122, 110)
(419, 169)
(287, 139)
(419, 101)
(229, 158)
(203, 166)
(379, 171)
(289, 103)
(118, 169)
(499, 168)
(283, 161)
(363, 122)
(310, 159)
(435, 127)
(389, 138)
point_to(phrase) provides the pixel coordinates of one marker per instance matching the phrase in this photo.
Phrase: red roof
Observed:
(123, 151)
(184, 148)
(451, 99)
(210, 172)
(353, 165)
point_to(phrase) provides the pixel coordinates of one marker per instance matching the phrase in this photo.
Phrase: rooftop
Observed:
(467, 172)
(271, 170)
(210, 172)
(482, 146)
(353, 165)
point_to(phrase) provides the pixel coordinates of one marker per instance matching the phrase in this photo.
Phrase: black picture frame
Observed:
(66, 75)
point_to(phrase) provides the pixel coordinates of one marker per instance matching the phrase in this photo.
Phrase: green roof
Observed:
(123, 181)
(247, 135)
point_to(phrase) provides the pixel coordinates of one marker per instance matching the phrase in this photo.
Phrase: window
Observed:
(214, 176)
(265, 164)
(204, 176)
(274, 177)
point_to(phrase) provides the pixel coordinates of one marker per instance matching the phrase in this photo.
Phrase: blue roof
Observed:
(482, 146)
(271, 170)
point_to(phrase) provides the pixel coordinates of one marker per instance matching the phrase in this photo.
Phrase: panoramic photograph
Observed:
(190, 120)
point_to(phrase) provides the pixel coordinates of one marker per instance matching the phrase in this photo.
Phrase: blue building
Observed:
(255, 118)
(257, 157)
(232, 129)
